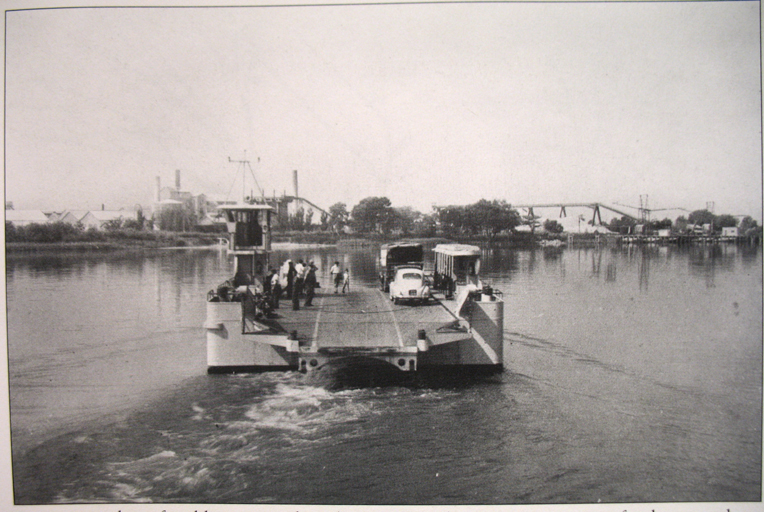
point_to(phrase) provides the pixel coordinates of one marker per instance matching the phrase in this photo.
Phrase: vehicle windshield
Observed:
(413, 275)
(404, 254)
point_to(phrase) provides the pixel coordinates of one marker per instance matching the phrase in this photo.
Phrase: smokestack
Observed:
(294, 177)
(177, 179)
(159, 188)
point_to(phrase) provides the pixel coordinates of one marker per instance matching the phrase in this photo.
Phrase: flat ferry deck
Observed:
(365, 318)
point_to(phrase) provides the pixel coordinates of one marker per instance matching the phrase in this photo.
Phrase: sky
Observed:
(426, 104)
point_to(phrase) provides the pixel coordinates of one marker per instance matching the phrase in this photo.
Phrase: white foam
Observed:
(199, 416)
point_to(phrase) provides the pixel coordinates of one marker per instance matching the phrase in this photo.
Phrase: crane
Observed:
(644, 211)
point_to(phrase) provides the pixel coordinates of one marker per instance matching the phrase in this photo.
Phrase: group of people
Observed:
(295, 280)
(340, 277)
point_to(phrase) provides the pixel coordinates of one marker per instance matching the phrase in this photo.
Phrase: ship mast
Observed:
(243, 166)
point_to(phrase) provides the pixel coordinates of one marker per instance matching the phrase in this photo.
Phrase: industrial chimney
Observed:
(159, 189)
(177, 179)
(294, 177)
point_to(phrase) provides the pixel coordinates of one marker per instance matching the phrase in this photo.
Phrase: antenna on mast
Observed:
(243, 165)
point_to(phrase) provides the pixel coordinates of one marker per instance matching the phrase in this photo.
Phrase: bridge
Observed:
(595, 207)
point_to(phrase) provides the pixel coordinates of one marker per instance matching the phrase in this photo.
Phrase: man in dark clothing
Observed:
(291, 272)
(276, 294)
(310, 285)
(292, 287)
(267, 281)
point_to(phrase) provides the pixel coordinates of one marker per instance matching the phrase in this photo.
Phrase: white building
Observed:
(98, 218)
(25, 217)
(72, 216)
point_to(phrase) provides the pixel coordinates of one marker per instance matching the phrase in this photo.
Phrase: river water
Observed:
(632, 375)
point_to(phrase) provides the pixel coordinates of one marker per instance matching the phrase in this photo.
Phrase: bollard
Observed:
(421, 341)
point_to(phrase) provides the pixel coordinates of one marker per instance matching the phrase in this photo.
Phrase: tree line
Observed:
(377, 215)
(746, 225)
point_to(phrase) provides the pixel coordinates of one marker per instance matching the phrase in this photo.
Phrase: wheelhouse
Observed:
(249, 229)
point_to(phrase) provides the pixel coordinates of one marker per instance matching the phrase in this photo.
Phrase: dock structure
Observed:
(685, 239)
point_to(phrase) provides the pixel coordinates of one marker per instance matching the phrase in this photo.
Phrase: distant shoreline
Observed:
(29, 247)
(211, 240)
(115, 244)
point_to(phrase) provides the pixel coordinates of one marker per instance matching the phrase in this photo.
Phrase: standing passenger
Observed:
(299, 278)
(310, 285)
(276, 287)
(292, 284)
(290, 278)
(267, 281)
(336, 276)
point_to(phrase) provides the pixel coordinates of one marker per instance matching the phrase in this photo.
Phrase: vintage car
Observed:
(409, 285)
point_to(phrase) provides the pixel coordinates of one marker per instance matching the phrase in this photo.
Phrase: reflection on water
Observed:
(649, 356)
(703, 261)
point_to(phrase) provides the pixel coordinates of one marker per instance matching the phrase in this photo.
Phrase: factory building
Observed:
(201, 210)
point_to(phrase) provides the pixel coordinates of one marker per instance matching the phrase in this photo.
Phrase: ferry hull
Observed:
(365, 372)
(482, 347)
(365, 330)
(229, 350)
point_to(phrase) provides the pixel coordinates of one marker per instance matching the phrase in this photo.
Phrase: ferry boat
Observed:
(460, 329)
